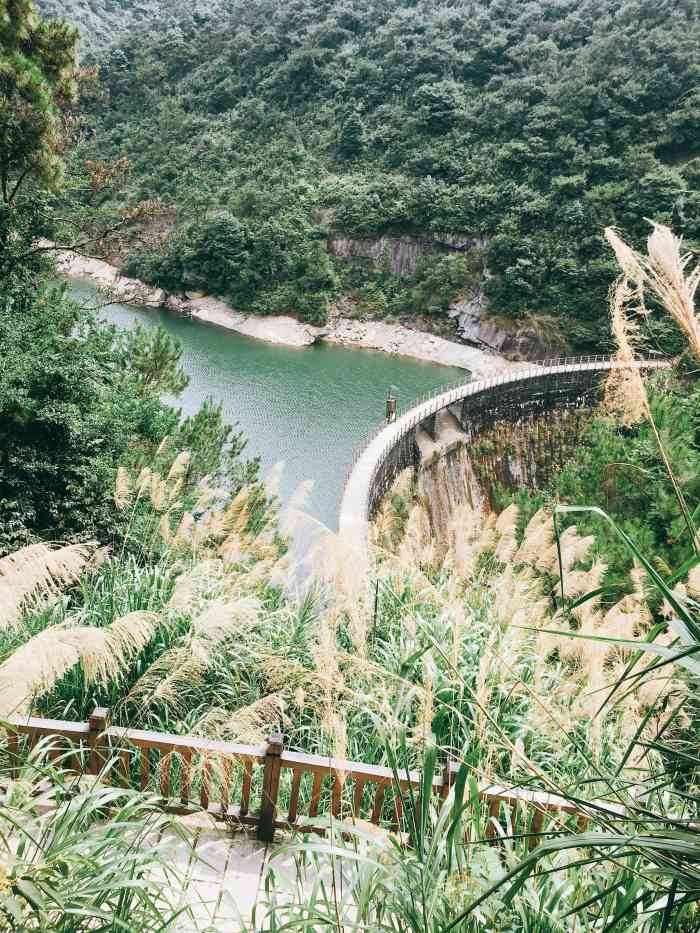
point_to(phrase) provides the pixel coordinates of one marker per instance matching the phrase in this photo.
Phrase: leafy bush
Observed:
(277, 266)
(620, 469)
(78, 855)
(77, 398)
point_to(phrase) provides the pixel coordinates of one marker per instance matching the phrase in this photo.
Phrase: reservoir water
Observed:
(309, 408)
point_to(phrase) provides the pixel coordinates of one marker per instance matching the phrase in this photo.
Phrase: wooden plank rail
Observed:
(226, 778)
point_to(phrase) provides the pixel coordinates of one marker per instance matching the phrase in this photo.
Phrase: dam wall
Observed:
(512, 431)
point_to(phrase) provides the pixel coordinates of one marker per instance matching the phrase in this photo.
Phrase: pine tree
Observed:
(37, 80)
(351, 142)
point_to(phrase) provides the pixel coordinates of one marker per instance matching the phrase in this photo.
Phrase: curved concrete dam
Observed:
(510, 431)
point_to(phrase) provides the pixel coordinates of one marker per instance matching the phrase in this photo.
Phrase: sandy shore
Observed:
(285, 330)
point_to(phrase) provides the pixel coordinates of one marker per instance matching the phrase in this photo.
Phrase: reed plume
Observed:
(179, 467)
(180, 670)
(143, 482)
(122, 641)
(328, 669)
(663, 273)
(170, 680)
(538, 539)
(273, 480)
(37, 665)
(221, 618)
(506, 528)
(158, 492)
(185, 533)
(251, 724)
(667, 273)
(193, 587)
(35, 574)
(104, 653)
(122, 489)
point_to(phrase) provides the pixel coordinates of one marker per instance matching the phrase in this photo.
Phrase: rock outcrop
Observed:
(519, 340)
(401, 253)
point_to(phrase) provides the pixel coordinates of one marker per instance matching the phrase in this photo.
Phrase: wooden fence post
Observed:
(270, 789)
(447, 779)
(98, 723)
(13, 749)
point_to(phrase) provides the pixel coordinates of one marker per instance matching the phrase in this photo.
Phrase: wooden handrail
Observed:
(190, 766)
(166, 741)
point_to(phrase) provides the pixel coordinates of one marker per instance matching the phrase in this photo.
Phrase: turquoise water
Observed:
(309, 407)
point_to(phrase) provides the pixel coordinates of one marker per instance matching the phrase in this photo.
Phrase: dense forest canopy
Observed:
(78, 399)
(533, 124)
(102, 22)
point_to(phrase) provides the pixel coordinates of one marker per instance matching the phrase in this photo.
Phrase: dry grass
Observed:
(35, 574)
(568, 672)
(662, 273)
(666, 273)
(251, 724)
(103, 653)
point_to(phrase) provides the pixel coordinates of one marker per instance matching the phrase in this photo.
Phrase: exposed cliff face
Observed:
(519, 340)
(401, 253)
(516, 340)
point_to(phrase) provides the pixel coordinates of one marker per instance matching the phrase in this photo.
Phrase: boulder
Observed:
(178, 305)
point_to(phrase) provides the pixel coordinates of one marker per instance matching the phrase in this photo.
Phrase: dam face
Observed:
(513, 431)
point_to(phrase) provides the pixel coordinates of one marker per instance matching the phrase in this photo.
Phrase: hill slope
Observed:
(527, 127)
(104, 22)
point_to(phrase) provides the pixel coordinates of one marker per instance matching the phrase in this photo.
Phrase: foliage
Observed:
(620, 469)
(446, 650)
(76, 400)
(447, 873)
(638, 458)
(272, 267)
(37, 61)
(536, 125)
(78, 855)
(103, 22)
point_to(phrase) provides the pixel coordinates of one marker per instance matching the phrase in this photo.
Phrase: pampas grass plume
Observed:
(36, 573)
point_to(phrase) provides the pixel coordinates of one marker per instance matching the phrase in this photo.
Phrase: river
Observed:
(308, 408)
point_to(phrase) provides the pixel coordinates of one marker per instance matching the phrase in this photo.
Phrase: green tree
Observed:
(351, 140)
(77, 398)
(37, 80)
(153, 358)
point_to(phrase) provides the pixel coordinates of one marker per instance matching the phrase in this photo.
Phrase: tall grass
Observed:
(76, 855)
(589, 694)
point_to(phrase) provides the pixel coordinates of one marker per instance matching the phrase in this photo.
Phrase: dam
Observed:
(512, 431)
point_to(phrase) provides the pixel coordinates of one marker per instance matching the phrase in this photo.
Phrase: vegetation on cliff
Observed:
(536, 125)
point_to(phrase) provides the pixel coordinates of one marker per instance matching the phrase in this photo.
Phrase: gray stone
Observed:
(177, 305)
(401, 253)
(519, 341)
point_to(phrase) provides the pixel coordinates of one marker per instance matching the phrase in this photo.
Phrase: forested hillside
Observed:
(102, 22)
(533, 125)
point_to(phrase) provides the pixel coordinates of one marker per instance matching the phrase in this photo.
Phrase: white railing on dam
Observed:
(391, 447)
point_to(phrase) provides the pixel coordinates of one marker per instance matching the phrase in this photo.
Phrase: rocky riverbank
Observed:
(283, 329)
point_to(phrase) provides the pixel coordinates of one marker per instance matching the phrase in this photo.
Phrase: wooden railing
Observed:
(267, 787)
